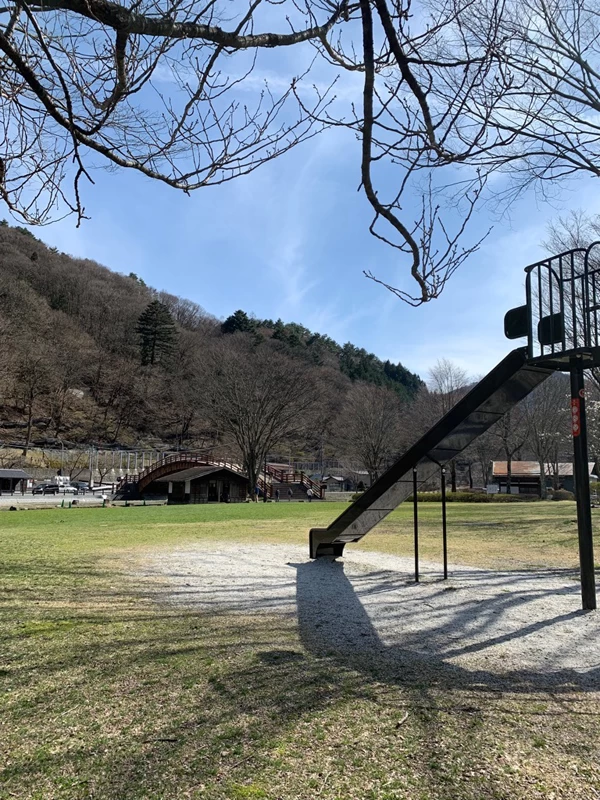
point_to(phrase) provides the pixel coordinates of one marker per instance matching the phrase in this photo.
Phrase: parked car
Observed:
(39, 487)
(83, 486)
(54, 488)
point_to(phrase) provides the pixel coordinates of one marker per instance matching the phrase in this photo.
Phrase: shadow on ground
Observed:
(164, 702)
(333, 621)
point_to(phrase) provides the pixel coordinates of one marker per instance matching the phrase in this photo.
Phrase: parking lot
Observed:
(29, 500)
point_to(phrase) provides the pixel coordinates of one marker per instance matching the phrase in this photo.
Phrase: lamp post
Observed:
(91, 467)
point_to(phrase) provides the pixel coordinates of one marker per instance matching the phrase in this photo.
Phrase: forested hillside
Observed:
(92, 356)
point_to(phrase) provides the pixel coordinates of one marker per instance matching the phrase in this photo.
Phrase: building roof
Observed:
(337, 478)
(17, 474)
(196, 472)
(531, 469)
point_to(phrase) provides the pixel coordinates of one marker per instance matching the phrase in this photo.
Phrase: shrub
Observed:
(470, 497)
(473, 497)
(562, 494)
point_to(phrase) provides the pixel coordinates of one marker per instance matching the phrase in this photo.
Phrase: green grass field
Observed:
(110, 692)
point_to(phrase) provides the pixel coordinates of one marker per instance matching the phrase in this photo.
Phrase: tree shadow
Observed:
(412, 633)
(234, 686)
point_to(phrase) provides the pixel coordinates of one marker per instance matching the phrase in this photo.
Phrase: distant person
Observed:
(290, 493)
(309, 494)
(256, 492)
(276, 495)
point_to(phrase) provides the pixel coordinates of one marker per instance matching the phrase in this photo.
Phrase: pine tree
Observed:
(156, 329)
(238, 322)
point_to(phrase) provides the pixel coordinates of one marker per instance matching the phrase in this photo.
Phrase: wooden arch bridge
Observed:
(135, 484)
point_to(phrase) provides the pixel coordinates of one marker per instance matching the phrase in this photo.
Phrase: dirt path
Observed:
(482, 624)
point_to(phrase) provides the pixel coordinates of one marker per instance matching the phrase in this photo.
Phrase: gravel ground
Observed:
(480, 626)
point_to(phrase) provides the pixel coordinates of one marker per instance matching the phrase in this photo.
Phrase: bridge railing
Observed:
(175, 458)
(291, 476)
(264, 484)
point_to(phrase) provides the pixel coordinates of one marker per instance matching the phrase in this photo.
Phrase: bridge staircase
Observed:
(298, 482)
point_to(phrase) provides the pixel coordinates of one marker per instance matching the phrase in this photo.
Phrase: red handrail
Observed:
(291, 476)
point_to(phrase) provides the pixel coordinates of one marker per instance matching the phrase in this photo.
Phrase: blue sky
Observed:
(291, 241)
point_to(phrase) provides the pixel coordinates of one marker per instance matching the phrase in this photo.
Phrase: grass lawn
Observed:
(110, 692)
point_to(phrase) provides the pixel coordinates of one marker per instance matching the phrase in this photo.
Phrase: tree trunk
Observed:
(59, 410)
(543, 489)
(555, 479)
(29, 426)
(253, 478)
(508, 472)
(453, 475)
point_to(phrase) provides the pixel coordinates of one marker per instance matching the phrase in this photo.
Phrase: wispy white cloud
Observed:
(291, 240)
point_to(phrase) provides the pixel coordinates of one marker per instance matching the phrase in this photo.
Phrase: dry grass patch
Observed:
(111, 691)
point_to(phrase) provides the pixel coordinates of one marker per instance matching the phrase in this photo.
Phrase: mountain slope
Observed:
(71, 366)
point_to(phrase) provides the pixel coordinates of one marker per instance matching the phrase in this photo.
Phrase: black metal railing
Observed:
(562, 311)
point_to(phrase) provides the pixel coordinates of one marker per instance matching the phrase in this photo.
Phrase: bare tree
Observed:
(370, 428)
(547, 416)
(512, 432)
(322, 436)
(449, 383)
(76, 462)
(189, 315)
(451, 92)
(257, 400)
(576, 229)
(179, 407)
(33, 380)
(482, 452)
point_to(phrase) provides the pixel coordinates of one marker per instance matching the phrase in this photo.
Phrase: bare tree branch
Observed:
(454, 92)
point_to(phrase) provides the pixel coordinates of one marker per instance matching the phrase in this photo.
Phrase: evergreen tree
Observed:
(136, 278)
(238, 322)
(279, 331)
(157, 332)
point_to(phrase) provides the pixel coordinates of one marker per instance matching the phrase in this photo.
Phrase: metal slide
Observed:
(501, 389)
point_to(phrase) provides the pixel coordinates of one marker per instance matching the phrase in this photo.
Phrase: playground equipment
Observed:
(560, 320)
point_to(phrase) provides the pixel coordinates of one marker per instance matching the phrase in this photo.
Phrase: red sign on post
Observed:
(575, 416)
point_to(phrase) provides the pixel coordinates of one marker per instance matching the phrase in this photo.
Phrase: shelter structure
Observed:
(208, 484)
(12, 480)
(525, 476)
(201, 484)
(337, 483)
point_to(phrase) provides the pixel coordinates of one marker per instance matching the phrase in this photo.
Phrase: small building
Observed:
(360, 479)
(205, 484)
(525, 476)
(12, 480)
(337, 483)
